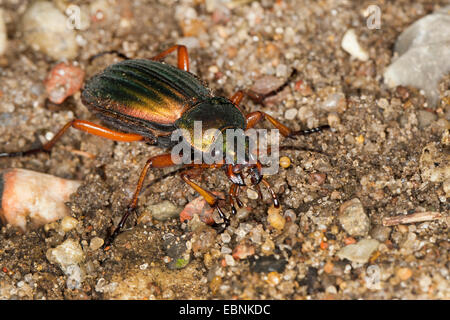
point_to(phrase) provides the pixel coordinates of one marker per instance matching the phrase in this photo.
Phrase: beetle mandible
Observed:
(147, 100)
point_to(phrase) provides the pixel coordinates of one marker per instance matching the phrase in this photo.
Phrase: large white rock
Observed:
(423, 51)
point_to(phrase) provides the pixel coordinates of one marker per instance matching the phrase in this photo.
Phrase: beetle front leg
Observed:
(82, 125)
(160, 161)
(209, 197)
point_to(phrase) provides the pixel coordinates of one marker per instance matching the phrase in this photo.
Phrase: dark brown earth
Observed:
(372, 153)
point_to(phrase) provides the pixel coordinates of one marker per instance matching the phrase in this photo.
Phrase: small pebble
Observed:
(215, 284)
(243, 251)
(267, 247)
(328, 267)
(303, 87)
(252, 194)
(226, 238)
(229, 260)
(164, 210)
(317, 177)
(335, 102)
(360, 139)
(404, 273)
(425, 118)
(351, 45)
(359, 252)
(68, 223)
(96, 243)
(273, 278)
(266, 84)
(285, 162)
(63, 81)
(353, 218)
(333, 119)
(380, 233)
(275, 219)
(199, 207)
(290, 114)
(305, 113)
(66, 254)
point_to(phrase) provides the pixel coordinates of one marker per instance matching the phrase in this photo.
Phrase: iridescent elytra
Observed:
(146, 100)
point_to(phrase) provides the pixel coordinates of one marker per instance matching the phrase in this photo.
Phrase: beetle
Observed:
(147, 100)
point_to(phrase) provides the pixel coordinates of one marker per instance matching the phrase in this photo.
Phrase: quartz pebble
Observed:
(96, 243)
(35, 196)
(66, 254)
(290, 114)
(45, 29)
(275, 219)
(426, 46)
(351, 45)
(164, 210)
(68, 223)
(353, 218)
(359, 252)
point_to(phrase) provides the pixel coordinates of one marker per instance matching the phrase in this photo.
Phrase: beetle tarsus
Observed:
(294, 134)
(22, 153)
(221, 227)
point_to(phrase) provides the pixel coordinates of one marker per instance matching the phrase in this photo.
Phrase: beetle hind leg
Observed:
(160, 161)
(81, 125)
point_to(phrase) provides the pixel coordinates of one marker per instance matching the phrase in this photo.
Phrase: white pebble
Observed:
(68, 223)
(305, 113)
(229, 260)
(143, 266)
(226, 238)
(66, 254)
(290, 114)
(351, 45)
(96, 243)
(252, 194)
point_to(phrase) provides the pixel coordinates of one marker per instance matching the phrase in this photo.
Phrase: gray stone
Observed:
(424, 51)
(164, 210)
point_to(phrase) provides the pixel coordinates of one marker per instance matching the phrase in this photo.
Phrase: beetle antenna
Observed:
(98, 55)
(297, 148)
